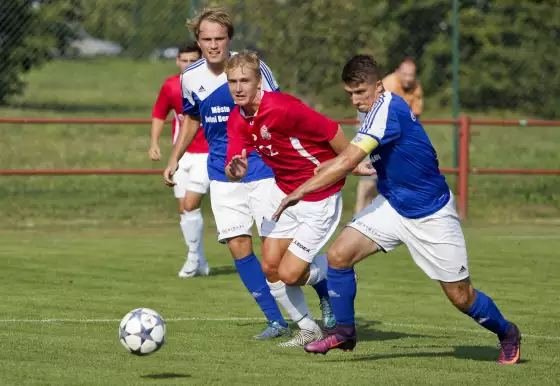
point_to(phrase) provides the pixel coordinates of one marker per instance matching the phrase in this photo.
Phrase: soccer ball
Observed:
(142, 331)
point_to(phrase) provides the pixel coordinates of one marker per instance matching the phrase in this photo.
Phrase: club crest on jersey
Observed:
(265, 134)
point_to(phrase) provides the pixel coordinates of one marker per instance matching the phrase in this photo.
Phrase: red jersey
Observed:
(170, 98)
(291, 137)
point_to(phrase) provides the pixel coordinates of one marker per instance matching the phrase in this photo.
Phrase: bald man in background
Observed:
(403, 82)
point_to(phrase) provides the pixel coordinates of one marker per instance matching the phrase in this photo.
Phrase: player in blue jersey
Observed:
(415, 207)
(236, 205)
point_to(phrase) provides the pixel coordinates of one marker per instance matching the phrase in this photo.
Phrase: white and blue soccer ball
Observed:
(142, 331)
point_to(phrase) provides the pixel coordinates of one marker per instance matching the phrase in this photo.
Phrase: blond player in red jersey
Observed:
(293, 140)
(191, 177)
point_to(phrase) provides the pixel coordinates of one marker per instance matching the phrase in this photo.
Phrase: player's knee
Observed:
(338, 258)
(288, 276)
(240, 246)
(189, 206)
(270, 270)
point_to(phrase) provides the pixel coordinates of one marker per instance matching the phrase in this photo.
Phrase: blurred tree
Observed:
(30, 33)
(307, 43)
(139, 26)
(509, 54)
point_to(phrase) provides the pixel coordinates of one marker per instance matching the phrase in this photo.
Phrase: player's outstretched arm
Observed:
(336, 169)
(189, 128)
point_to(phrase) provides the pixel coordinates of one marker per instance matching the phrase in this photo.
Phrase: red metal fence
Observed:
(463, 171)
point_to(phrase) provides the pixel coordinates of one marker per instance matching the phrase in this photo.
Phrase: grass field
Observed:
(77, 253)
(85, 281)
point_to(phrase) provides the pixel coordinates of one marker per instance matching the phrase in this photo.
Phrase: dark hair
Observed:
(190, 46)
(361, 69)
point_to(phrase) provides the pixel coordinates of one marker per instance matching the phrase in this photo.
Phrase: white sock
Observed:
(318, 269)
(192, 225)
(292, 300)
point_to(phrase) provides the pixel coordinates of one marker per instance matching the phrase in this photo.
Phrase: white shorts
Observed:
(237, 205)
(192, 175)
(436, 242)
(309, 224)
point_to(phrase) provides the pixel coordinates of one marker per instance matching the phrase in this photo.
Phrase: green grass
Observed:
(95, 247)
(410, 334)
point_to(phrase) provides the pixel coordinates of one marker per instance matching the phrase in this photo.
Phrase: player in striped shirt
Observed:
(415, 207)
(236, 205)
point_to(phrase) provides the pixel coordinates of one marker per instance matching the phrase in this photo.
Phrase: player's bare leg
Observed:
(192, 225)
(365, 193)
(286, 273)
(349, 248)
(250, 271)
(482, 309)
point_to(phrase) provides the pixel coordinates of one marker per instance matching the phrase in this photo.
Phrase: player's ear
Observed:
(379, 86)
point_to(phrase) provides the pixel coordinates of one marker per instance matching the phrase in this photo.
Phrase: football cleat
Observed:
(203, 268)
(191, 266)
(273, 330)
(510, 347)
(302, 338)
(334, 341)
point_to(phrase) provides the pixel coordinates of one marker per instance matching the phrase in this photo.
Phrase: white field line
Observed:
(414, 326)
(515, 237)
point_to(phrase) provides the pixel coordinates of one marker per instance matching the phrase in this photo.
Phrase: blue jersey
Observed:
(207, 96)
(405, 160)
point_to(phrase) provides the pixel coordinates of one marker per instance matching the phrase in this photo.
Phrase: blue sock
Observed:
(485, 312)
(252, 275)
(342, 290)
(322, 289)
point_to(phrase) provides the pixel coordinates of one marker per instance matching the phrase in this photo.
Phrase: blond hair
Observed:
(247, 59)
(215, 15)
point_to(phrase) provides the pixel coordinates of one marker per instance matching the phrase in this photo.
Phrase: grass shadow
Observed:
(476, 353)
(223, 270)
(165, 376)
(370, 333)
(367, 332)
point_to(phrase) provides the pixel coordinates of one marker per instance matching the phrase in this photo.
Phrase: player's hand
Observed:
(169, 171)
(155, 152)
(290, 200)
(239, 165)
(364, 169)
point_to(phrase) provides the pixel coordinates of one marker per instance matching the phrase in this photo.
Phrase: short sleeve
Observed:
(163, 106)
(305, 123)
(268, 80)
(382, 122)
(190, 102)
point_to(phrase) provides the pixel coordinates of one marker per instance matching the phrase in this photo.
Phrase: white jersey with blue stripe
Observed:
(207, 96)
(405, 160)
